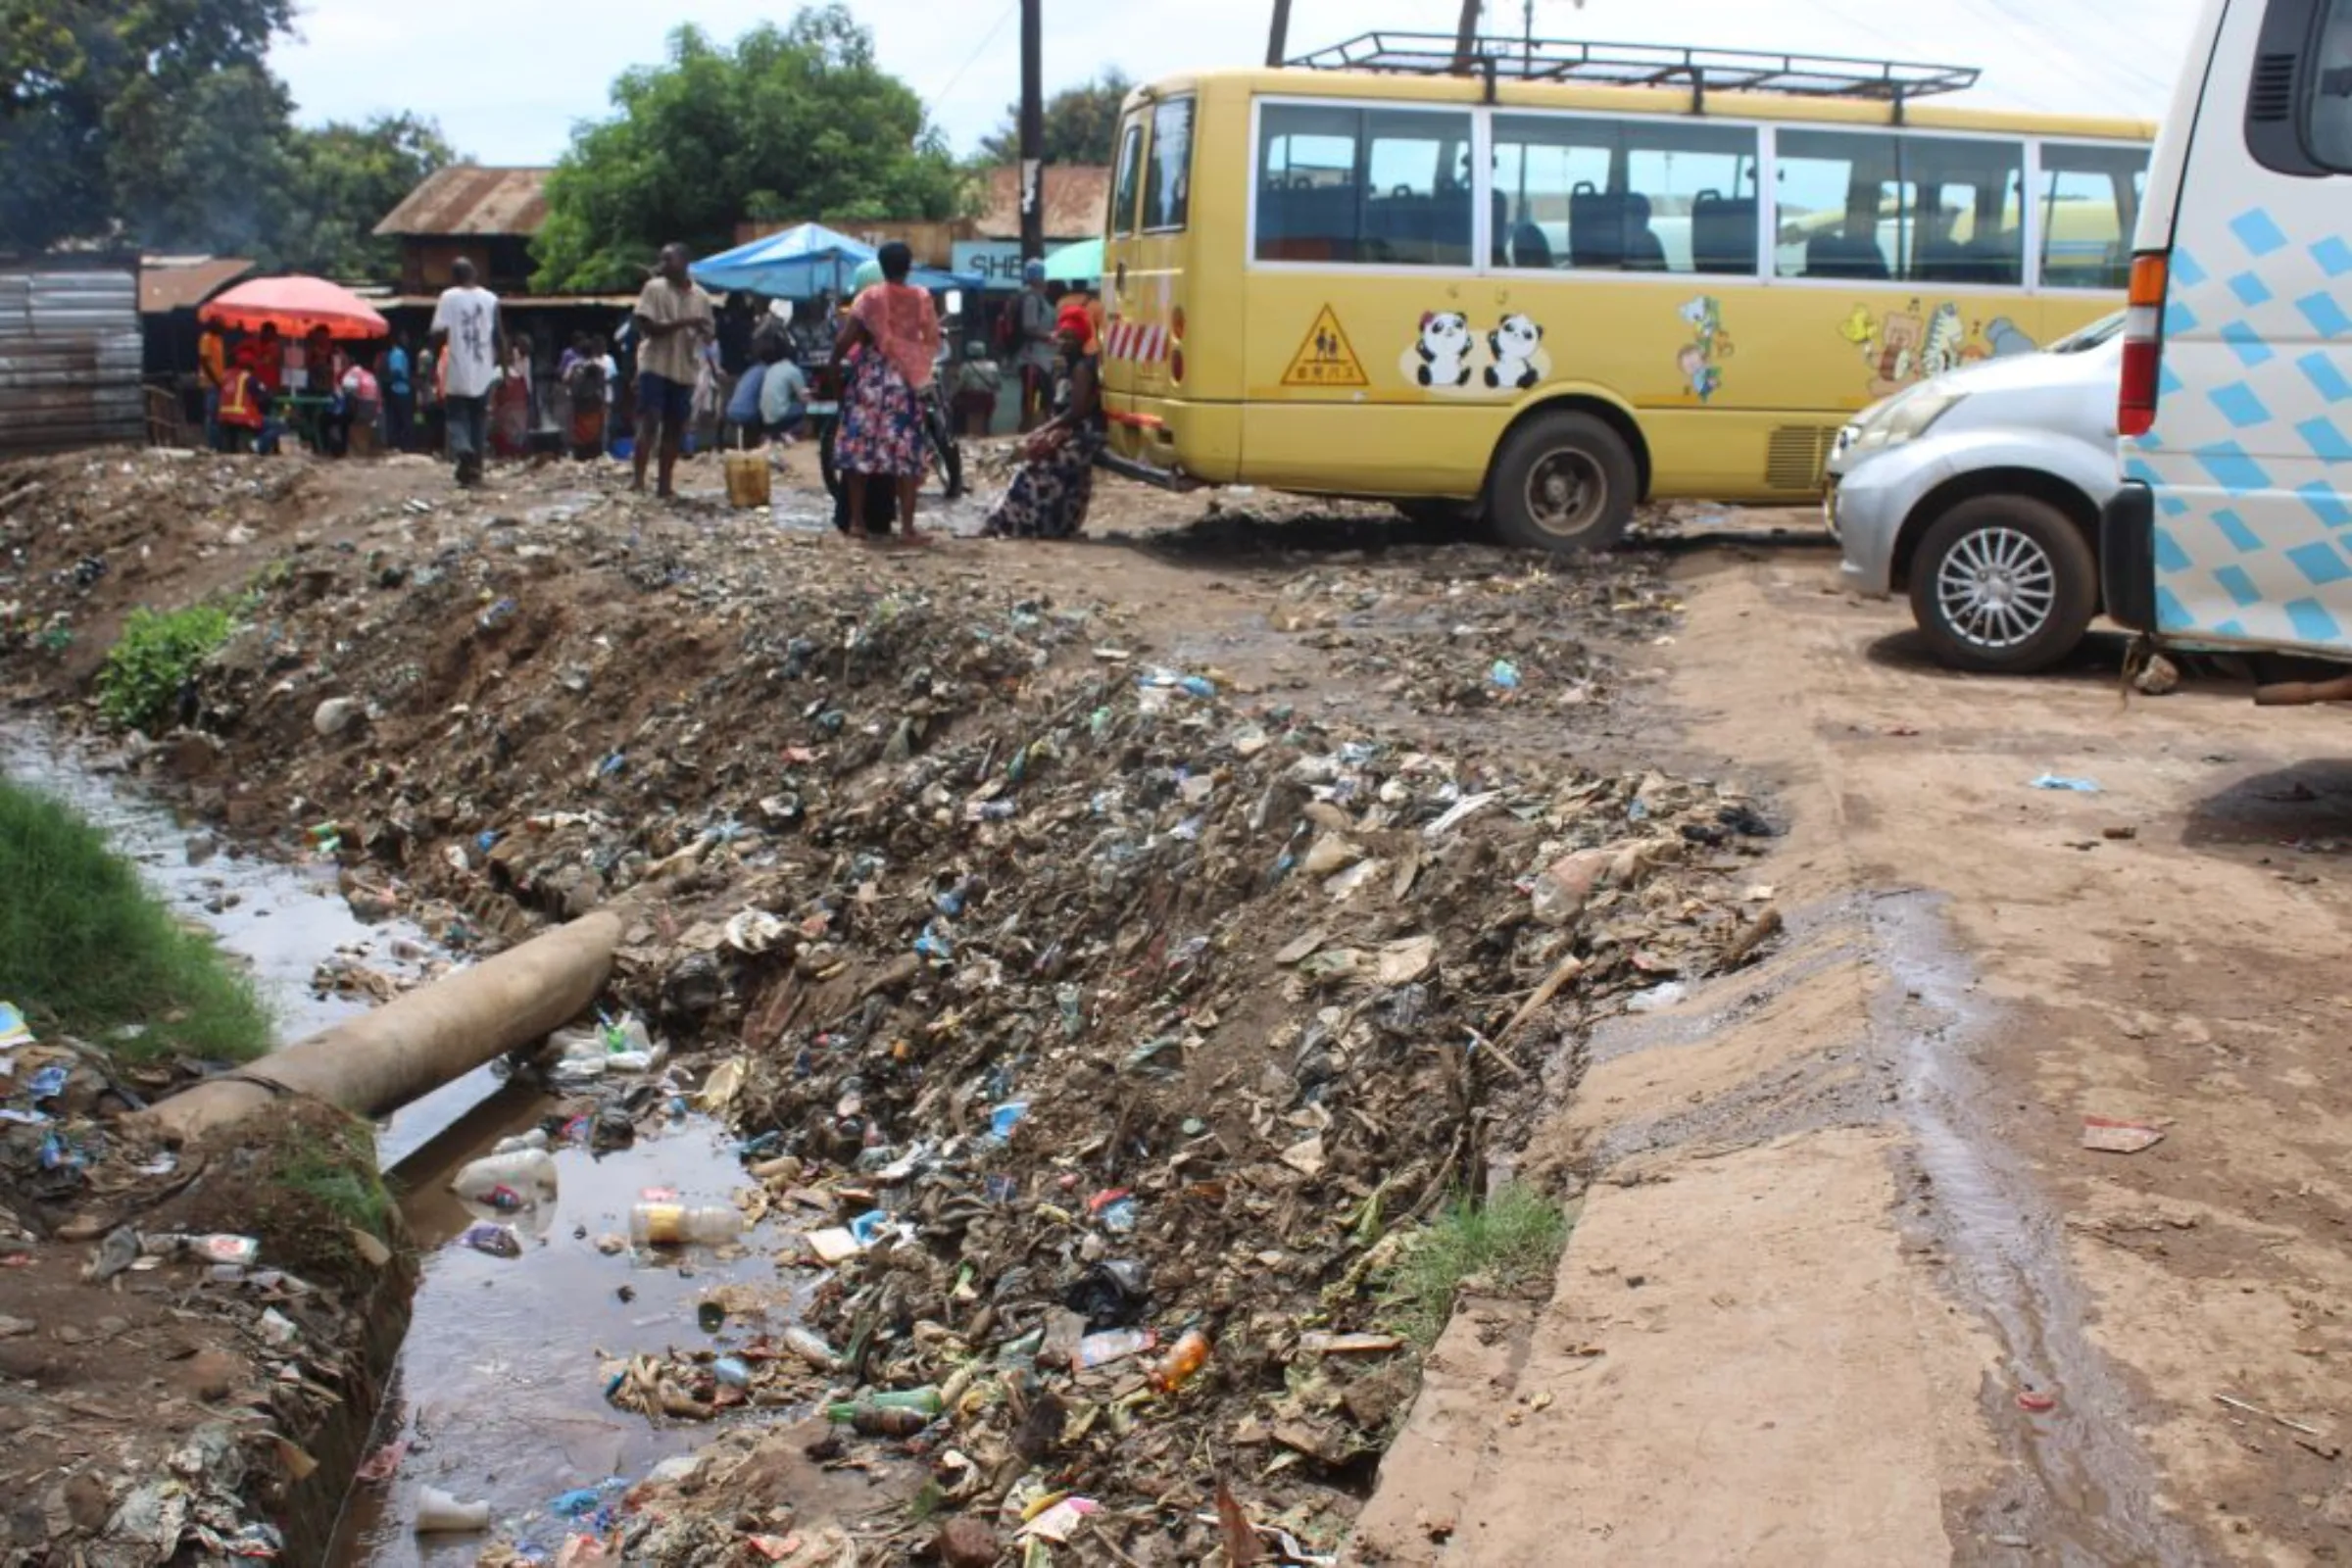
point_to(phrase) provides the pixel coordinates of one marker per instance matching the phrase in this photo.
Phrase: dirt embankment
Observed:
(1270, 887)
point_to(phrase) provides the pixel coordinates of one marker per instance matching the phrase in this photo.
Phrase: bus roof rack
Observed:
(1637, 64)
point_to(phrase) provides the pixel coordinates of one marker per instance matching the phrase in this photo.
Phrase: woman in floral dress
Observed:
(1049, 496)
(887, 347)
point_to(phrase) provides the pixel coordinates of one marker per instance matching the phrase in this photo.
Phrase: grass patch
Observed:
(335, 1169)
(1512, 1240)
(87, 949)
(158, 654)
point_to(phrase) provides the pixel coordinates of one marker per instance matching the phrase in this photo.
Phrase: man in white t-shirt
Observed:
(473, 345)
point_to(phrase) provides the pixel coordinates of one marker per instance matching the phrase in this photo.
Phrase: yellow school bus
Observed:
(1542, 282)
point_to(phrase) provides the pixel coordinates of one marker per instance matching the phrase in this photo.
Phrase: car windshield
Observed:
(2089, 337)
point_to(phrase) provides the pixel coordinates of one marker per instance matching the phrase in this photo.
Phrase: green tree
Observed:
(341, 181)
(91, 89)
(790, 122)
(1082, 123)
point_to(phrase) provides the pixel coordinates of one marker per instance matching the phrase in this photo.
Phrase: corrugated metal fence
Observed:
(70, 357)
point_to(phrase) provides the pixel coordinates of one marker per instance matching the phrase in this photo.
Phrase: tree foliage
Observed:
(156, 124)
(1082, 123)
(341, 181)
(790, 122)
(91, 89)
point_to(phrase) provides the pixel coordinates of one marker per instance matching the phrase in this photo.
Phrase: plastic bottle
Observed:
(811, 1346)
(923, 1401)
(1111, 1344)
(530, 1173)
(437, 1511)
(1189, 1355)
(678, 1225)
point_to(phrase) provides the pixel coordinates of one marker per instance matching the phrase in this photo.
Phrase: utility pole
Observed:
(1033, 130)
(1465, 37)
(1278, 42)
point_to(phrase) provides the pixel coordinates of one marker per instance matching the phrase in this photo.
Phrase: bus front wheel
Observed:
(1563, 483)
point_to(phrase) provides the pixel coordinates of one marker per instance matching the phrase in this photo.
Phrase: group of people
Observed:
(265, 384)
(888, 348)
(476, 391)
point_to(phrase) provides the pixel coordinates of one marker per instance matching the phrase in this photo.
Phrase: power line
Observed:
(973, 58)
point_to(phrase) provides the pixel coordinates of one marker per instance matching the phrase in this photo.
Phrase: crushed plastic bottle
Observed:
(1182, 1363)
(1111, 1344)
(528, 1175)
(439, 1513)
(678, 1225)
(811, 1346)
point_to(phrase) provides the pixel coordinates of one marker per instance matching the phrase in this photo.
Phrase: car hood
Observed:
(2101, 367)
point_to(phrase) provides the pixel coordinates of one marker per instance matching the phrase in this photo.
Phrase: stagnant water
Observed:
(499, 1395)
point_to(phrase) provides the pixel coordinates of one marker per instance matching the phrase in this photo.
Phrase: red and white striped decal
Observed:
(1138, 341)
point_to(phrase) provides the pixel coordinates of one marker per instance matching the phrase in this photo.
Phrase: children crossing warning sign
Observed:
(1326, 358)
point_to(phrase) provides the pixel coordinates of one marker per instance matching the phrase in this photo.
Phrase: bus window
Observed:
(1542, 162)
(1837, 213)
(2328, 107)
(1168, 187)
(1378, 186)
(1634, 197)
(1131, 171)
(1964, 201)
(2090, 204)
(1694, 188)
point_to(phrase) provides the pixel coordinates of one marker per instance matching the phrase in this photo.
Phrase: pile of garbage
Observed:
(226, 1367)
(1103, 1068)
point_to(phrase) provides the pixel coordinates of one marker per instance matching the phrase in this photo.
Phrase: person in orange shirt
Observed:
(211, 370)
(240, 411)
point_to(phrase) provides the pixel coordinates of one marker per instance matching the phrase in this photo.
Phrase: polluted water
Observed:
(527, 1293)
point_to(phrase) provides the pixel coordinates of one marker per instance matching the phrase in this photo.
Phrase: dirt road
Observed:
(1846, 1286)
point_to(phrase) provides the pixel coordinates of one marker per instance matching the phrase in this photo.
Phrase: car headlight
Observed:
(1904, 419)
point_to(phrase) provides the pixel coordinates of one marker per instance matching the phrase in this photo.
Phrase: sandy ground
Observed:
(1846, 1286)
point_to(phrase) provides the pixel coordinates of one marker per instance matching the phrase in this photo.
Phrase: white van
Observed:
(2234, 528)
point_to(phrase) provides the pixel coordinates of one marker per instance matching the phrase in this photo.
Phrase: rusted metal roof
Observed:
(469, 199)
(184, 285)
(1077, 197)
(69, 357)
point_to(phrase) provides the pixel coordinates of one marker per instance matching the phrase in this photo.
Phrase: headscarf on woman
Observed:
(904, 325)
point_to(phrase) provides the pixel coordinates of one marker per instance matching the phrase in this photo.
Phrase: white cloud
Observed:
(509, 80)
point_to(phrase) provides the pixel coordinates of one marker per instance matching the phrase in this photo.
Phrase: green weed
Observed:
(158, 654)
(338, 1173)
(84, 947)
(1512, 1240)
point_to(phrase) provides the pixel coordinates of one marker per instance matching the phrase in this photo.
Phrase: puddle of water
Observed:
(499, 1387)
(282, 921)
(2096, 1498)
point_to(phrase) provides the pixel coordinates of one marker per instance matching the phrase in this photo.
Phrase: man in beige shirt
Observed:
(673, 321)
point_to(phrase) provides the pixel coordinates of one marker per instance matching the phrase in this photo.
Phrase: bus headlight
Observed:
(1904, 419)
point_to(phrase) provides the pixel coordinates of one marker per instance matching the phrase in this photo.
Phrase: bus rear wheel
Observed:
(1562, 482)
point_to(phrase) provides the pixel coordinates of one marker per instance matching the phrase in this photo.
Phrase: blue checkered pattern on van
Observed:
(2253, 541)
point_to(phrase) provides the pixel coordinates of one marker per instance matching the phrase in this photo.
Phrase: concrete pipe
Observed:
(372, 1065)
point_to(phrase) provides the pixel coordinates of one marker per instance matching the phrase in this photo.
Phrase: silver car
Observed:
(1978, 493)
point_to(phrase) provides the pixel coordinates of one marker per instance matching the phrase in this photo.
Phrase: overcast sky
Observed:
(509, 81)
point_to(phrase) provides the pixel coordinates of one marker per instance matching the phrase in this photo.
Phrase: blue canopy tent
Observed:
(804, 261)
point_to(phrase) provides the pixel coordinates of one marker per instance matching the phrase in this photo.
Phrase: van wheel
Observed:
(1562, 482)
(2004, 585)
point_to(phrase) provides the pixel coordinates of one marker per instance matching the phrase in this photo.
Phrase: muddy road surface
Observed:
(1849, 1284)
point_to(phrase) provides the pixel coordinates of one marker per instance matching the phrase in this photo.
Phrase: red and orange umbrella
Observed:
(296, 306)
